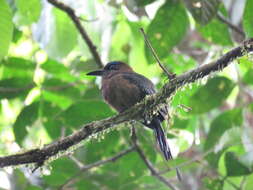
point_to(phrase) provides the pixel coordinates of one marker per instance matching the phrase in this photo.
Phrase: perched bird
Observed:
(122, 88)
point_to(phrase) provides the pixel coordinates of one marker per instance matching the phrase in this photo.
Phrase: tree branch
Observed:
(138, 111)
(153, 171)
(76, 20)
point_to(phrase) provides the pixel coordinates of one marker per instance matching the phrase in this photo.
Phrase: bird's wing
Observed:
(146, 87)
(143, 83)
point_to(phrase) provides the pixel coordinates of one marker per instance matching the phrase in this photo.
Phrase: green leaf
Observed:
(17, 34)
(28, 11)
(180, 123)
(26, 118)
(6, 26)
(86, 184)
(247, 159)
(63, 37)
(144, 2)
(120, 47)
(167, 29)
(247, 78)
(83, 112)
(213, 158)
(92, 92)
(220, 124)
(249, 183)
(18, 67)
(14, 87)
(179, 63)
(216, 31)
(48, 112)
(234, 166)
(33, 188)
(105, 145)
(57, 98)
(58, 70)
(131, 168)
(63, 169)
(211, 95)
(213, 184)
(228, 138)
(203, 11)
(247, 19)
(53, 128)
(152, 182)
(60, 92)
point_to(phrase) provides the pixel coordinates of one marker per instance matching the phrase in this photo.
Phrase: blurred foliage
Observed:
(46, 95)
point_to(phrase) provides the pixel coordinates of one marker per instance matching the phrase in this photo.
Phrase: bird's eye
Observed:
(113, 67)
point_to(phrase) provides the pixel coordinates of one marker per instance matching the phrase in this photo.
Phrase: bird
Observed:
(122, 88)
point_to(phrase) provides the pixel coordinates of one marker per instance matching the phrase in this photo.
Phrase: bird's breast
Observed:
(120, 93)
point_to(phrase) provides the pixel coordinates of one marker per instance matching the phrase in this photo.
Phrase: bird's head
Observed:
(112, 67)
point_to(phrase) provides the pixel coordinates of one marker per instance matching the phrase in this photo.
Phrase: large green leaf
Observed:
(49, 111)
(57, 98)
(203, 11)
(167, 29)
(234, 166)
(62, 170)
(14, 87)
(58, 70)
(247, 18)
(211, 95)
(26, 118)
(66, 90)
(17, 67)
(6, 28)
(104, 144)
(222, 123)
(86, 184)
(28, 11)
(82, 112)
(216, 31)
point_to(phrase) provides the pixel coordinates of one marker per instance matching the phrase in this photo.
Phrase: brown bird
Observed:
(122, 88)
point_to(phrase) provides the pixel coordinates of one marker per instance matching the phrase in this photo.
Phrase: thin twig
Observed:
(231, 25)
(170, 75)
(151, 168)
(96, 164)
(75, 19)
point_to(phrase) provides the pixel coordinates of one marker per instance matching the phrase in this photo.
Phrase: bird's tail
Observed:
(161, 139)
(163, 145)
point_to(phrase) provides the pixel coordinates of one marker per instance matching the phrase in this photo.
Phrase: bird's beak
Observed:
(96, 73)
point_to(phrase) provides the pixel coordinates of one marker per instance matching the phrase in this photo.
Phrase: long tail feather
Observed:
(162, 142)
(161, 139)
